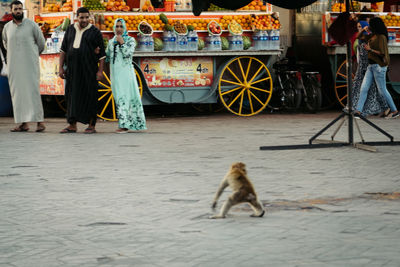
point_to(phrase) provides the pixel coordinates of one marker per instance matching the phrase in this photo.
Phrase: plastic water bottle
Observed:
(169, 38)
(167, 41)
(235, 42)
(49, 45)
(256, 40)
(182, 42)
(192, 41)
(392, 38)
(55, 41)
(146, 43)
(217, 44)
(275, 39)
(150, 44)
(266, 40)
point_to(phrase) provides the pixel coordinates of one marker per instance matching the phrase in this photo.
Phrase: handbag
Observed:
(343, 28)
(4, 69)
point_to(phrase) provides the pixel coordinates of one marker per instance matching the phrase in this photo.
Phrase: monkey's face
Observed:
(240, 166)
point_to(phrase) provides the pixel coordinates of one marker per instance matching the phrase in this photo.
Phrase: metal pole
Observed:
(349, 85)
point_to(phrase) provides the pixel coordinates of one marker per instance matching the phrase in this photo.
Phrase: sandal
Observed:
(67, 130)
(121, 131)
(20, 128)
(384, 113)
(40, 128)
(90, 131)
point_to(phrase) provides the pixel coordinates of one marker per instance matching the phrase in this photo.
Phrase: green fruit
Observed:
(163, 18)
(65, 24)
(246, 42)
(169, 27)
(158, 44)
(190, 28)
(224, 43)
(200, 44)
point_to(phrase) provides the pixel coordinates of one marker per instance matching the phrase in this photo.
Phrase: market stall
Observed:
(221, 55)
(338, 53)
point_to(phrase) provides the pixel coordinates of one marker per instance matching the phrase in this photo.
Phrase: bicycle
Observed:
(311, 87)
(287, 87)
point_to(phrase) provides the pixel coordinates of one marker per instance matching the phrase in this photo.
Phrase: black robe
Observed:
(82, 66)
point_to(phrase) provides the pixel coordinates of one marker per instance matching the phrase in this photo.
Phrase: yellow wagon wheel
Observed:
(245, 86)
(107, 108)
(60, 100)
(341, 82)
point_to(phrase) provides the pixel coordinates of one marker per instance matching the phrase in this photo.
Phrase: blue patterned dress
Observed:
(375, 103)
(124, 84)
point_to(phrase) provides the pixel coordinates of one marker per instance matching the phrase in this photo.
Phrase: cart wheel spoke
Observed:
(234, 75)
(140, 83)
(261, 80)
(238, 95)
(241, 70)
(255, 74)
(105, 98)
(341, 82)
(259, 101)
(250, 101)
(248, 68)
(226, 81)
(106, 105)
(236, 98)
(232, 90)
(106, 76)
(105, 86)
(259, 89)
(104, 95)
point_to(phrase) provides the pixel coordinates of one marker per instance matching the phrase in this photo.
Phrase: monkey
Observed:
(243, 191)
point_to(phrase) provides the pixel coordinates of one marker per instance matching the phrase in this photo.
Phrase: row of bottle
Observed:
(53, 44)
(262, 40)
(266, 40)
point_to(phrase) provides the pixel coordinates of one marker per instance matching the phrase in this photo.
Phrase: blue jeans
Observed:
(377, 73)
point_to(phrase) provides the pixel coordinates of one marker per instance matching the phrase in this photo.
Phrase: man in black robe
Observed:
(83, 53)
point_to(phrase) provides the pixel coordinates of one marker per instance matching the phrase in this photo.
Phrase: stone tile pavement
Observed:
(142, 199)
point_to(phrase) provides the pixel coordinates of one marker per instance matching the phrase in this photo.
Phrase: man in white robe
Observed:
(24, 42)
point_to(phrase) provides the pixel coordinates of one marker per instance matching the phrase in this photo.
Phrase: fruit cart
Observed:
(337, 54)
(239, 79)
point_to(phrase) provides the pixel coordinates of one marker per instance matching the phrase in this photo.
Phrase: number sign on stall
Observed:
(178, 72)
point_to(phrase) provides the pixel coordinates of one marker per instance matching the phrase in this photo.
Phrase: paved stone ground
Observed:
(142, 199)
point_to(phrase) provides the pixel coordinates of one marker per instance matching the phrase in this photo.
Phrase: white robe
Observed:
(24, 44)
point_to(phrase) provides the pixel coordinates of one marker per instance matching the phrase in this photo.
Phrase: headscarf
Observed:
(125, 35)
(363, 23)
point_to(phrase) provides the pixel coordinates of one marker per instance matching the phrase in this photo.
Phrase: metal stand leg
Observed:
(338, 128)
(359, 131)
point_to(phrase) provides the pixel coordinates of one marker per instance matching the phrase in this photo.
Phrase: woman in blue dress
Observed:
(124, 85)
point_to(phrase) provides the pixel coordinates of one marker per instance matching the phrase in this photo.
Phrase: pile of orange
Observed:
(51, 8)
(51, 22)
(264, 22)
(199, 24)
(133, 21)
(255, 5)
(116, 5)
(391, 20)
(66, 7)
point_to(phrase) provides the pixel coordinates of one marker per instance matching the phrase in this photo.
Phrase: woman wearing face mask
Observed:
(375, 103)
(124, 85)
(378, 61)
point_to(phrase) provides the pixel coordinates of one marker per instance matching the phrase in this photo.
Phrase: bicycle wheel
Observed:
(314, 96)
(291, 95)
